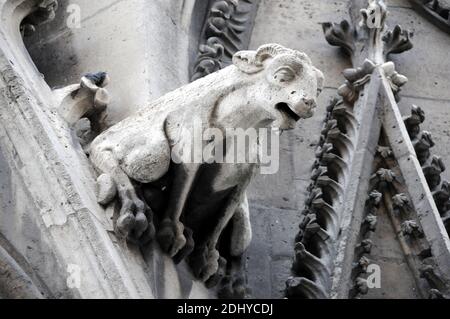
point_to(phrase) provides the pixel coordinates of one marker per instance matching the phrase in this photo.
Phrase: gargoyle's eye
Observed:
(284, 74)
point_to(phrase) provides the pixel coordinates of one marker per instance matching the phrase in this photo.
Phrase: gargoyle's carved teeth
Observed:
(287, 110)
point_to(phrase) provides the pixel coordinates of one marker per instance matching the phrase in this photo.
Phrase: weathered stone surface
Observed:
(429, 52)
(105, 189)
(437, 115)
(396, 281)
(259, 254)
(140, 65)
(297, 24)
(398, 3)
(270, 252)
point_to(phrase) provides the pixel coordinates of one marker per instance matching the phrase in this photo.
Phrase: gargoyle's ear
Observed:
(320, 80)
(245, 61)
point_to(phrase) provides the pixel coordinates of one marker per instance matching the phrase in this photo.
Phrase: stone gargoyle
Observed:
(200, 209)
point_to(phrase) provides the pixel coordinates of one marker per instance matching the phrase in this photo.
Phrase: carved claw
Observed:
(219, 275)
(233, 287)
(205, 262)
(135, 221)
(170, 236)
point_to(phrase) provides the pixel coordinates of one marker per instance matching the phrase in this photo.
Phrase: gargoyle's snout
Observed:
(288, 111)
(302, 109)
(305, 108)
(310, 103)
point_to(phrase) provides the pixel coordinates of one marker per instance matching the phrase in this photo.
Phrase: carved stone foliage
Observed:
(437, 11)
(42, 13)
(352, 36)
(319, 229)
(387, 197)
(432, 165)
(356, 78)
(340, 34)
(223, 35)
(197, 210)
(397, 41)
(355, 81)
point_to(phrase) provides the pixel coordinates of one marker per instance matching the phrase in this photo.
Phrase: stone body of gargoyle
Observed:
(201, 208)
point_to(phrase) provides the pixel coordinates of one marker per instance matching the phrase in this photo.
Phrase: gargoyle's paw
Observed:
(219, 275)
(233, 287)
(125, 224)
(170, 237)
(239, 288)
(211, 265)
(140, 225)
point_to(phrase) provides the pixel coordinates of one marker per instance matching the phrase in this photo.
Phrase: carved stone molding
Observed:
(432, 165)
(334, 242)
(387, 196)
(17, 278)
(227, 29)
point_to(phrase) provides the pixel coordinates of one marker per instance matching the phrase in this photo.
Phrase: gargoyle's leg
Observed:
(170, 235)
(204, 260)
(235, 204)
(241, 233)
(132, 213)
(233, 285)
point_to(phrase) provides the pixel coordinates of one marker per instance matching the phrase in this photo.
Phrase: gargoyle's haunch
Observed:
(195, 202)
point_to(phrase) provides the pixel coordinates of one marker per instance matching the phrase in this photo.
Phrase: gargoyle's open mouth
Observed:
(285, 109)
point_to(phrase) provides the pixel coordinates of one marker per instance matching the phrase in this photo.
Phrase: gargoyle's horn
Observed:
(269, 50)
(252, 62)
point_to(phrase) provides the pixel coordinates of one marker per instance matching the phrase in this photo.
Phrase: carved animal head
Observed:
(287, 84)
